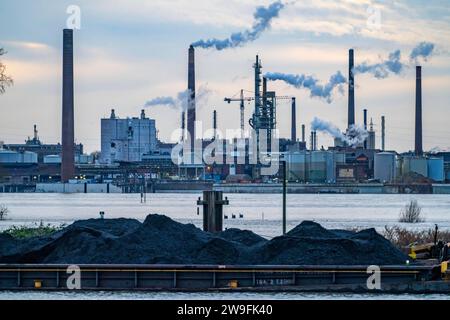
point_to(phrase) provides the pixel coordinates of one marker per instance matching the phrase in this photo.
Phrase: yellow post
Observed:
(38, 284)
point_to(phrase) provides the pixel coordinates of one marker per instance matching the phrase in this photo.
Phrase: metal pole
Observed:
(284, 195)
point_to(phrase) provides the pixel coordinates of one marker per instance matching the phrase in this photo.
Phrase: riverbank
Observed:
(253, 188)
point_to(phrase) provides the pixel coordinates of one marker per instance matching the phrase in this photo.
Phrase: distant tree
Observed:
(5, 80)
(3, 212)
(411, 213)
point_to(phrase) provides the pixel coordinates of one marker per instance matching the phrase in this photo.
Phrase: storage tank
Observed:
(84, 159)
(8, 156)
(29, 157)
(52, 159)
(385, 166)
(318, 166)
(415, 164)
(296, 165)
(436, 169)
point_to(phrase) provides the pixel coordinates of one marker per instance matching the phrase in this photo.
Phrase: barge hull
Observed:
(219, 278)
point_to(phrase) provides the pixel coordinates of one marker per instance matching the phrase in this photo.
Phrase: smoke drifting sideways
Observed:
(393, 64)
(324, 91)
(263, 17)
(356, 135)
(181, 102)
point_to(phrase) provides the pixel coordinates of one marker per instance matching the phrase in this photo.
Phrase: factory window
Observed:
(113, 145)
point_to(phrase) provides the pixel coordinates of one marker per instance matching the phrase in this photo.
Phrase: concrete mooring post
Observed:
(213, 203)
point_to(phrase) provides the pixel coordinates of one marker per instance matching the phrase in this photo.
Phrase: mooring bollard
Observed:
(213, 203)
(102, 214)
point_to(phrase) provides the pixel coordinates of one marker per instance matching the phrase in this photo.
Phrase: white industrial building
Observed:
(127, 140)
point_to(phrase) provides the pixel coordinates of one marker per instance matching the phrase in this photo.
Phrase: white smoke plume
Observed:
(356, 135)
(393, 64)
(181, 101)
(424, 50)
(324, 91)
(263, 17)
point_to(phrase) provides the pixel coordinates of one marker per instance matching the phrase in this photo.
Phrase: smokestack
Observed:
(191, 99)
(264, 92)
(215, 124)
(383, 133)
(35, 133)
(365, 127)
(257, 67)
(418, 142)
(351, 90)
(293, 122)
(303, 133)
(183, 125)
(67, 137)
(315, 140)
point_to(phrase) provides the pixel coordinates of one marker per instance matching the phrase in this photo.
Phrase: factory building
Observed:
(446, 157)
(127, 140)
(42, 150)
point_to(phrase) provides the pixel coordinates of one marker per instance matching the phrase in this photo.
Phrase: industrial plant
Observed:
(133, 158)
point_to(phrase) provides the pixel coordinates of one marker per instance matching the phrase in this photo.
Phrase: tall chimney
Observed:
(315, 140)
(215, 124)
(191, 99)
(418, 142)
(383, 133)
(312, 141)
(67, 137)
(303, 133)
(293, 122)
(351, 90)
(183, 125)
(365, 127)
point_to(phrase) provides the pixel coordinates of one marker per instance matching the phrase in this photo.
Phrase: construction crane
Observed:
(242, 101)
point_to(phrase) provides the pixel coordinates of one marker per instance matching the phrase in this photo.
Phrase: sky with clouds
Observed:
(128, 52)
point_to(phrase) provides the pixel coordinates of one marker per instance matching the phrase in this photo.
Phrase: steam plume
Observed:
(424, 50)
(393, 64)
(263, 17)
(311, 83)
(181, 101)
(356, 135)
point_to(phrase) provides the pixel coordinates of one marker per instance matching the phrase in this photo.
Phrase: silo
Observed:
(331, 167)
(296, 165)
(318, 166)
(29, 157)
(415, 164)
(436, 169)
(385, 166)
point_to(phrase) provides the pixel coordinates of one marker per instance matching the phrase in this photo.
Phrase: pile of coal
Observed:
(161, 240)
